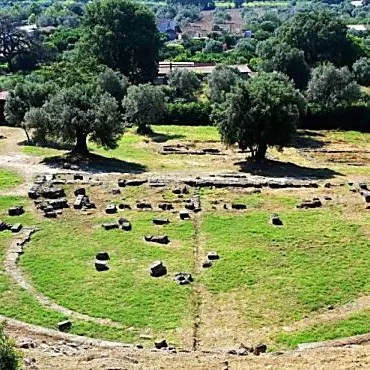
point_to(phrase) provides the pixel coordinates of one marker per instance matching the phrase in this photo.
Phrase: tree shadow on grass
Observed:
(95, 164)
(308, 140)
(272, 168)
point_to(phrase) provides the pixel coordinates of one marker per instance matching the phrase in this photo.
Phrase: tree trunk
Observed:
(261, 152)
(81, 146)
(28, 136)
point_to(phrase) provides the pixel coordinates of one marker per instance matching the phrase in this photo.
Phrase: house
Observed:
(167, 26)
(202, 69)
(3, 96)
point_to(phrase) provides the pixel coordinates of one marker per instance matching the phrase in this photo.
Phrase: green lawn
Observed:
(63, 268)
(354, 325)
(9, 179)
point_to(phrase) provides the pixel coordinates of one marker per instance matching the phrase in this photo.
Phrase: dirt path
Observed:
(52, 350)
(13, 253)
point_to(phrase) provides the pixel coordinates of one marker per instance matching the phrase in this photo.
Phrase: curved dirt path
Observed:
(13, 253)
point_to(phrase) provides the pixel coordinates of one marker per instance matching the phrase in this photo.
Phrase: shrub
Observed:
(10, 358)
(191, 114)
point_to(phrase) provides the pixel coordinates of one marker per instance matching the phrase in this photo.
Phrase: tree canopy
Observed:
(260, 112)
(321, 35)
(332, 87)
(281, 57)
(184, 83)
(13, 41)
(25, 96)
(220, 82)
(122, 35)
(144, 105)
(76, 113)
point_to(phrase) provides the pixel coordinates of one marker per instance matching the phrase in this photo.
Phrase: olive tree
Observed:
(77, 113)
(259, 113)
(220, 82)
(361, 71)
(144, 105)
(25, 96)
(332, 87)
(184, 83)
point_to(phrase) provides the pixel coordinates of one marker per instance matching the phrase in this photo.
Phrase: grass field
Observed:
(9, 179)
(271, 284)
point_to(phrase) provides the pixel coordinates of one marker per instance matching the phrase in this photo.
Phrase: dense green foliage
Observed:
(122, 35)
(320, 35)
(10, 359)
(184, 84)
(261, 112)
(332, 87)
(75, 113)
(281, 57)
(144, 105)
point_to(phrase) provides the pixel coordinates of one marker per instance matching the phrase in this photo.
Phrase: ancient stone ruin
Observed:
(275, 220)
(160, 221)
(15, 211)
(163, 239)
(158, 269)
(183, 278)
(101, 260)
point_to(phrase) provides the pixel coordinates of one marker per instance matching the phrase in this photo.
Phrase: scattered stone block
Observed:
(16, 228)
(15, 211)
(190, 206)
(184, 215)
(136, 182)
(163, 239)
(160, 221)
(158, 269)
(183, 278)
(238, 206)
(121, 183)
(260, 348)
(314, 203)
(53, 193)
(59, 203)
(34, 192)
(213, 256)
(125, 224)
(3, 226)
(66, 166)
(50, 214)
(80, 191)
(165, 206)
(177, 191)
(110, 209)
(64, 325)
(101, 265)
(110, 225)
(124, 206)
(102, 256)
(116, 191)
(143, 205)
(363, 186)
(78, 177)
(207, 263)
(275, 220)
(161, 344)
(366, 195)
(78, 202)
